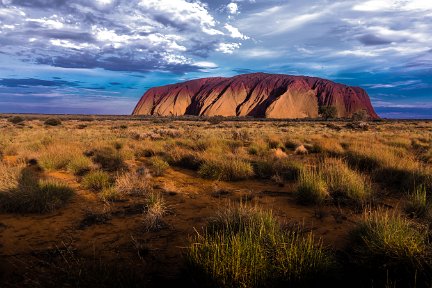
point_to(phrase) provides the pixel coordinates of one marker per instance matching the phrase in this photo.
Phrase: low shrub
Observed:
(227, 169)
(52, 122)
(16, 119)
(96, 180)
(389, 246)
(311, 189)
(214, 120)
(183, 158)
(245, 247)
(109, 159)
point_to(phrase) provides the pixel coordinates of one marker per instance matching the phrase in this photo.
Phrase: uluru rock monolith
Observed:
(255, 95)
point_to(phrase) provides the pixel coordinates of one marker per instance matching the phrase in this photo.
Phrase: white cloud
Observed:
(232, 8)
(205, 64)
(48, 23)
(260, 53)
(228, 48)
(358, 53)
(386, 5)
(235, 33)
(183, 12)
(375, 5)
(176, 59)
(69, 44)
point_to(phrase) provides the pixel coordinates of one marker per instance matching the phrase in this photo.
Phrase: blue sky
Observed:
(100, 56)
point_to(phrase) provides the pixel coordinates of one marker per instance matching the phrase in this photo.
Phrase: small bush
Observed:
(159, 166)
(109, 159)
(214, 120)
(390, 245)
(53, 122)
(227, 169)
(16, 119)
(80, 165)
(246, 247)
(328, 112)
(312, 189)
(81, 126)
(96, 180)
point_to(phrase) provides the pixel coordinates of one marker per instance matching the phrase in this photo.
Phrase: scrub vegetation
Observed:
(214, 202)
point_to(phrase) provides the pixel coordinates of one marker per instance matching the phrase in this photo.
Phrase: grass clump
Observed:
(388, 244)
(156, 209)
(345, 184)
(287, 169)
(159, 166)
(227, 169)
(394, 166)
(96, 180)
(110, 194)
(245, 247)
(133, 183)
(418, 205)
(312, 189)
(80, 165)
(57, 157)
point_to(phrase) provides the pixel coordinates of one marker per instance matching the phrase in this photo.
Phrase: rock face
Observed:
(254, 95)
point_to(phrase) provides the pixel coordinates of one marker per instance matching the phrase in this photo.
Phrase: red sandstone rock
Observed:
(255, 95)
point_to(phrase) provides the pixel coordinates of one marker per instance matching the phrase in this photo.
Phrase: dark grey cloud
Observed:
(30, 82)
(370, 39)
(40, 4)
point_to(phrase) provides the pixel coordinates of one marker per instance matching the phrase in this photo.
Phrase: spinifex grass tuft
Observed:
(344, 183)
(312, 189)
(245, 247)
(387, 243)
(418, 204)
(228, 169)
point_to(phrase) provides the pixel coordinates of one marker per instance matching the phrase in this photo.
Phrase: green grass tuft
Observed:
(390, 244)
(245, 247)
(227, 169)
(312, 189)
(96, 180)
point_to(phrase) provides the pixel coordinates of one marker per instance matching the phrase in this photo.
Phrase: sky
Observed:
(100, 56)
